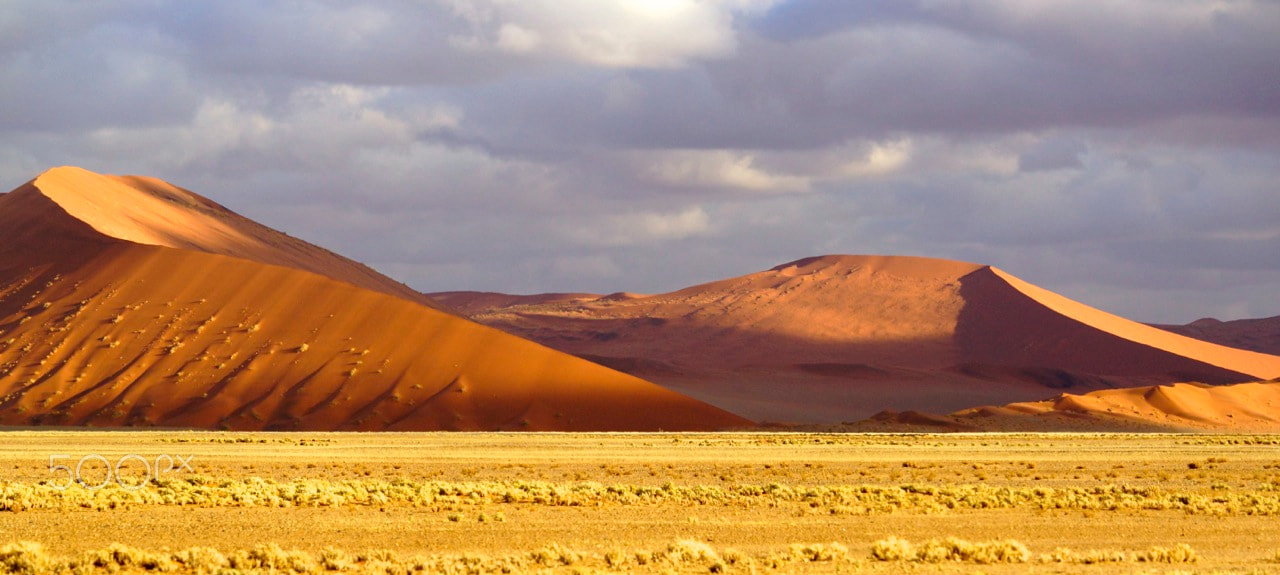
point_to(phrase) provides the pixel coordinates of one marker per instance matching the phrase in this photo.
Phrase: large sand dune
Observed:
(838, 338)
(128, 301)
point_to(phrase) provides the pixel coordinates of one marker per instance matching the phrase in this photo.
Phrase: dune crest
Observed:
(150, 315)
(154, 212)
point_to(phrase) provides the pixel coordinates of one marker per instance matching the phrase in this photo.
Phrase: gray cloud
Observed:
(1123, 153)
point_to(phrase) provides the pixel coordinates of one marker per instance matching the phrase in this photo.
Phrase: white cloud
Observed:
(723, 169)
(642, 228)
(881, 159)
(317, 126)
(616, 33)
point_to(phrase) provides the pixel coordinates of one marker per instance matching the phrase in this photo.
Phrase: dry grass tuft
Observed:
(553, 555)
(951, 549)
(22, 558)
(687, 552)
(815, 552)
(1089, 557)
(1180, 553)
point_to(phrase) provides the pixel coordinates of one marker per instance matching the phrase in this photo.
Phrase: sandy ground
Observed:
(1195, 467)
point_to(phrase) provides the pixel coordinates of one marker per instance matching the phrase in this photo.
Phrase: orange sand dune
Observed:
(838, 338)
(153, 212)
(1260, 335)
(1251, 407)
(126, 301)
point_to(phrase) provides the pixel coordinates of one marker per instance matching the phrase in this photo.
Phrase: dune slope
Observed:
(116, 311)
(838, 338)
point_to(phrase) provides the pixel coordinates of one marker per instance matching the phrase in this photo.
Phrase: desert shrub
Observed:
(382, 555)
(815, 552)
(201, 559)
(734, 557)
(893, 549)
(950, 549)
(688, 551)
(1089, 557)
(119, 556)
(615, 559)
(271, 557)
(993, 552)
(332, 559)
(553, 555)
(1180, 553)
(22, 558)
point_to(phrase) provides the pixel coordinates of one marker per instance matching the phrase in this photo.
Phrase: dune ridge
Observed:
(1261, 334)
(171, 325)
(150, 211)
(837, 338)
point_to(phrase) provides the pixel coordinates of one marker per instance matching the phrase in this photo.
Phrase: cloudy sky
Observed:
(1124, 153)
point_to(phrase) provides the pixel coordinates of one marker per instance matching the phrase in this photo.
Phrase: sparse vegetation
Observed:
(29, 558)
(648, 503)
(841, 499)
(950, 549)
(1180, 553)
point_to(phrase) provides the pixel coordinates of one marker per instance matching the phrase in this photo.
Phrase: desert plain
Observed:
(745, 502)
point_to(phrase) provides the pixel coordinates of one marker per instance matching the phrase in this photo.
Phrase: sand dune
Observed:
(153, 212)
(838, 338)
(127, 301)
(1252, 407)
(1260, 335)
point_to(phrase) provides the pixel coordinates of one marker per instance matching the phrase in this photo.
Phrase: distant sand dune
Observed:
(838, 338)
(128, 301)
(1260, 335)
(1251, 407)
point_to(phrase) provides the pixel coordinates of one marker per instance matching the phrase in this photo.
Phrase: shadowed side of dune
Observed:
(1003, 326)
